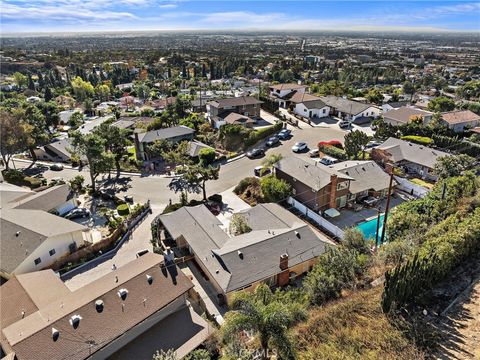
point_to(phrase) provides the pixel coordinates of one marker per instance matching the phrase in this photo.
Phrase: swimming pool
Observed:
(369, 228)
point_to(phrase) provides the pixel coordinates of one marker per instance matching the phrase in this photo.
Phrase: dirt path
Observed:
(460, 324)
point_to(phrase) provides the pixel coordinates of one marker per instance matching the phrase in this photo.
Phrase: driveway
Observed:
(140, 240)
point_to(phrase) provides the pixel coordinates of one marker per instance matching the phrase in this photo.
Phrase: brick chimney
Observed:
(284, 261)
(283, 277)
(333, 191)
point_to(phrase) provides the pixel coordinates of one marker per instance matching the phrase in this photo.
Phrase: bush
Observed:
(32, 182)
(206, 156)
(123, 209)
(257, 135)
(13, 176)
(216, 198)
(422, 140)
(194, 202)
(171, 208)
(244, 183)
(275, 190)
(334, 152)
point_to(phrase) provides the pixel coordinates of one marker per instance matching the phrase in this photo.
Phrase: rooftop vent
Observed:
(55, 334)
(122, 294)
(150, 279)
(217, 271)
(75, 321)
(297, 234)
(99, 306)
(23, 314)
(17, 233)
(240, 254)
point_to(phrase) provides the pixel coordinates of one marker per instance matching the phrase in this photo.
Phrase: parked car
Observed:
(56, 167)
(328, 160)
(344, 124)
(372, 144)
(299, 146)
(313, 153)
(261, 171)
(255, 153)
(284, 134)
(78, 213)
(273, 140)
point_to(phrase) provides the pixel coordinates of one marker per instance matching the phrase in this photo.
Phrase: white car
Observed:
(328, 160)
(299, 146)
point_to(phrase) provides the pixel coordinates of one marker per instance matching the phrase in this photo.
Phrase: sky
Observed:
(128, 15)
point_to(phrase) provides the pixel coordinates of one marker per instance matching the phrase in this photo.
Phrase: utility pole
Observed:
(387, 207)
(378, 226)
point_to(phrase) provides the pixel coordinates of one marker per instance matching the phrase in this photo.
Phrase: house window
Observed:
(294, 191)
(324, 111)
(305, 110)
(52, 252)
(342, 185)
(341, 201)
(37, 261)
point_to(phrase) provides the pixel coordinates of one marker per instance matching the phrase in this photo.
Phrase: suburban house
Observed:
(415, 159)
(161, 104)
(282, 93)
(32, 236)
(315, 185)
(393, 105)
(126, 122)
(278, 248)
(57, 151)
(309, 106)
(218, 110)
(238, 119)
(174, 134)
(146, 299)
(350, 110)
(403, 115)
(370, 179)
(461, 119)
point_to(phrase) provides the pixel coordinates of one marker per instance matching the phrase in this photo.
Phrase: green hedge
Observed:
(333, 151)
(422, 140)
(455, 144)
(257, 135)
(32, 182)
(123, 209)
(171, 208)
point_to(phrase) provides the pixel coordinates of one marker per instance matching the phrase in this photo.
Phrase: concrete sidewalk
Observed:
(231, 205)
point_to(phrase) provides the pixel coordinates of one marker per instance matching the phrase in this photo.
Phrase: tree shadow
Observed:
(115, 185)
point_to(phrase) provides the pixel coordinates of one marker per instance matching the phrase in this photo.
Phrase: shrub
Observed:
(13, 176)
(334, 152)
(123, 209)
(275, 190)
(422, 140)
(244, 183)
(171, 208)
(257, 135)
(195, 202)
(32, 182)
(206, 156)
(216, 198)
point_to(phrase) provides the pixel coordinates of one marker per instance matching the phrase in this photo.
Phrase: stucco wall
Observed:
(61, 245)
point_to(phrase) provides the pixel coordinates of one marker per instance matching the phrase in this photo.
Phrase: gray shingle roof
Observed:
(344, 105)
(401, 150)
(274, 232)
(166, 133)
(309, 172)
(235, 101)
(33, 228)
(404, 114)
(45, 200)
(367, 174)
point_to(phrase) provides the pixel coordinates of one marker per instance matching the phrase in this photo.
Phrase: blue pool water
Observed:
(369, 228)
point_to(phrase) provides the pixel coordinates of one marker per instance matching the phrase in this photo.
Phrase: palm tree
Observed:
(267, 318)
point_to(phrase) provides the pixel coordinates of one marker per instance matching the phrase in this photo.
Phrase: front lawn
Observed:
(421, 182)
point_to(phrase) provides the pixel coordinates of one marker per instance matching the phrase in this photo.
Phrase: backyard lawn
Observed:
(421, 182)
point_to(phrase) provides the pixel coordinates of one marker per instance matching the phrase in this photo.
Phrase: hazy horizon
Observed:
(101, 16)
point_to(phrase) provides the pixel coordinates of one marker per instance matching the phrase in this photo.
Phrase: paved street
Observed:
(156, 188)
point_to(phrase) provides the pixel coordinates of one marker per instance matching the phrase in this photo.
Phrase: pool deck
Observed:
(350, 218)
